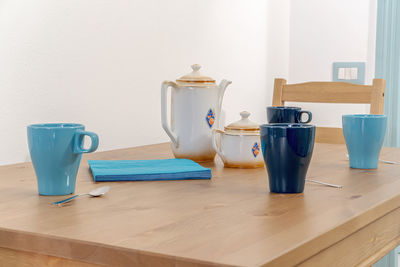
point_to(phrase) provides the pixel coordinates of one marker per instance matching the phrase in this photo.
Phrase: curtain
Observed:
(387, 64)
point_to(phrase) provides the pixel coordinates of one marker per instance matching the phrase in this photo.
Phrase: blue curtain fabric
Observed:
(390, 260)
(387, 64)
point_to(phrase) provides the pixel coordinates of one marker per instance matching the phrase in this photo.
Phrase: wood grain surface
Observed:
(15, 258)
(331, 92)
(230, 220)
(329, 135)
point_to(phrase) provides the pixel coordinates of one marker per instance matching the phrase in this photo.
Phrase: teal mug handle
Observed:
(78, 144)
(301, 112)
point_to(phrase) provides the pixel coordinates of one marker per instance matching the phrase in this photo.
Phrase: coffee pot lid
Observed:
(195, 78)
(244, 124)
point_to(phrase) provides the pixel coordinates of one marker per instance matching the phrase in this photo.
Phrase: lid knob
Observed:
(244, 114)
(195, 78)
(196, 67)
(244, 124)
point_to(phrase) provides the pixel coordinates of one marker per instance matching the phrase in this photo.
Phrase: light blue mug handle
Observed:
(78, 142)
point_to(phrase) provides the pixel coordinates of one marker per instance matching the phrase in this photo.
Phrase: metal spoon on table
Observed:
(94, 193)
(323, 183)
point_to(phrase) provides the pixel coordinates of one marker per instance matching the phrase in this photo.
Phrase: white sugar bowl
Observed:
(239, 144)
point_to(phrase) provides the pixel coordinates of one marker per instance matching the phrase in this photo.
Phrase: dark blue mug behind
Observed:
(56, 150)
(287, 115)
(287, 149)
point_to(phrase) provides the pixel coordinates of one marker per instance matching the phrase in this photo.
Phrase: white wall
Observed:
(323, 32)
(101, 62)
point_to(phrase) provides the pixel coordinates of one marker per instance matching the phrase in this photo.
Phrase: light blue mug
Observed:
(364, 135)
(56, 151)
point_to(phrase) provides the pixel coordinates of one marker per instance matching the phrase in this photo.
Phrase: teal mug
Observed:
(364, 135)
(56, 151)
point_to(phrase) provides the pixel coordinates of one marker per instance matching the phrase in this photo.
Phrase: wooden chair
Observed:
(331, 92)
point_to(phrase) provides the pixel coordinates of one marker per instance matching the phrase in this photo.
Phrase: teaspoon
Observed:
(323, 183)
(94, 193)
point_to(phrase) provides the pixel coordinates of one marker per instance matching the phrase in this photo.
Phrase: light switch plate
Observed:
(354, 73)
(341, 74)
(351, 72)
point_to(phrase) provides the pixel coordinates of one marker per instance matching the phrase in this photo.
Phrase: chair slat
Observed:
(329, 135)
(331, 92)
(327, 92)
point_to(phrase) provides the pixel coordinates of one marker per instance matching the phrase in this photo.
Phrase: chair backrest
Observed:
(331, 92)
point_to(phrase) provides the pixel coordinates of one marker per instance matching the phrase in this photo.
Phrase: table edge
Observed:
(11, 239)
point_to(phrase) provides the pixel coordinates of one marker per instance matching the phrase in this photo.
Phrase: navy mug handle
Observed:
(78, 144)
(300, 113)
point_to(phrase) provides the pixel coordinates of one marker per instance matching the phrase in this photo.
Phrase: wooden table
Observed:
(231, 220)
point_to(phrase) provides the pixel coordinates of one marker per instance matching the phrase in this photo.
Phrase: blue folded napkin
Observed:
(147, 170)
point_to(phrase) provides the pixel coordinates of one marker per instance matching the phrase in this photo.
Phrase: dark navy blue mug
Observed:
(287, 115)
(287, 149)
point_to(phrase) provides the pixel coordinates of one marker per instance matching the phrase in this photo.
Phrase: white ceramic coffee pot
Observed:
(195, 111)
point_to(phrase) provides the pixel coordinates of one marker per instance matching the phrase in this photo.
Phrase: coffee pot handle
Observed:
(164, 121)
(217, 146)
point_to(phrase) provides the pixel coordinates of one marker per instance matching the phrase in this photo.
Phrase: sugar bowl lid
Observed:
(195, 78)
(244, 125)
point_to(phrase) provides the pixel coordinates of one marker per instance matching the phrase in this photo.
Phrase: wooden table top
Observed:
(229, 220)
